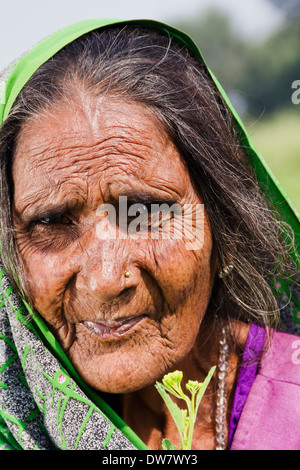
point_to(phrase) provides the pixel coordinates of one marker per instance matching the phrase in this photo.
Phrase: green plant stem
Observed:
(184, 419)
(192, 419)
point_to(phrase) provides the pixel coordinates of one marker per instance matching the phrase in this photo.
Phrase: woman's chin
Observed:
(120, 371)
(118, 381)
(130, 357)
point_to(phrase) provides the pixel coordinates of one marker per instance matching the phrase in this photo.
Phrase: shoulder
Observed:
(281, 360)
(270, 419)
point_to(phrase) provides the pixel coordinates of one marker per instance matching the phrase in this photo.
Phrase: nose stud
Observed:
(127, 274)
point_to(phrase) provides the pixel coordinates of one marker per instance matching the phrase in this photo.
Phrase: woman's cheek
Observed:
(179, 271)
(46, 278)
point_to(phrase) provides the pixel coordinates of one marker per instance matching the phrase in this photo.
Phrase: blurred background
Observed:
(253, 47)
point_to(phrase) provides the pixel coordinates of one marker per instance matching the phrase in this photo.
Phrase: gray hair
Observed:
(156, 70)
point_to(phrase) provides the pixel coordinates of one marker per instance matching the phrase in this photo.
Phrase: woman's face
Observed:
(126, 309)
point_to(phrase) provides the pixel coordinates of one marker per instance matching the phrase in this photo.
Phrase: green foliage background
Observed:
(258, 77)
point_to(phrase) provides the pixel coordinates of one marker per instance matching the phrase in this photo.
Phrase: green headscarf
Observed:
(11, 83)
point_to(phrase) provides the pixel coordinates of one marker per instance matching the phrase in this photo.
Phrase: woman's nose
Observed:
(105, 273)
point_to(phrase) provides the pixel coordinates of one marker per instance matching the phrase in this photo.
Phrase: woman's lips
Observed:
(113, 328)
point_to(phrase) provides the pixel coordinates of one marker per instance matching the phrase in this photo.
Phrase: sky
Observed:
(24, 22)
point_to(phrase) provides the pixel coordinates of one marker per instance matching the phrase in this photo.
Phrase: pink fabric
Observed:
(247, 373)
(270, 419)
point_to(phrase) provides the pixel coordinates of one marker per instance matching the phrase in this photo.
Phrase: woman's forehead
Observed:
(111, 141)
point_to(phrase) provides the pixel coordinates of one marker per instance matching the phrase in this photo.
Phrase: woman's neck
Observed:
(145, 412)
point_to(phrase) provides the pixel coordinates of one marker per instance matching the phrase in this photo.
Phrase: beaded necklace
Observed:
(221, 402)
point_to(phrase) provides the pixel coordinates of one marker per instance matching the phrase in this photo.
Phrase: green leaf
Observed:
(204, 386)
(168, 445)
(174, 409)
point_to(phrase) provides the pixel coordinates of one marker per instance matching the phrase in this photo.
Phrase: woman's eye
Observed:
(153, 217)
(57, 219)
(141, 209)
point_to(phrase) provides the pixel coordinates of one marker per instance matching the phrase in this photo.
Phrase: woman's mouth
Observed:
(113, 328)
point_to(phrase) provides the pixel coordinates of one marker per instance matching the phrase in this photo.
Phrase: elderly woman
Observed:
(103, 293)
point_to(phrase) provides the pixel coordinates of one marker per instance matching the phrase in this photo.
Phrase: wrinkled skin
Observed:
(69, 162)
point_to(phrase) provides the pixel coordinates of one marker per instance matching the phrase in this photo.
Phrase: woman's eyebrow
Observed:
(51, 200)
(147, 197)
(45, 208)
(48, 209)
(39, 213)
